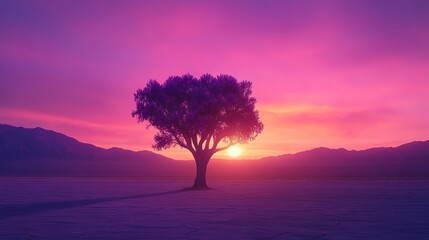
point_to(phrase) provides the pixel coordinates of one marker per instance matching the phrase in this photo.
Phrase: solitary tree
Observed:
(204, 115)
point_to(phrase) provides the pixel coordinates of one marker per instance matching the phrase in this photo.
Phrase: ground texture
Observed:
(136, 209)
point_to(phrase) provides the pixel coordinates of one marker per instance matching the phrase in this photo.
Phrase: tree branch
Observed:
(209, 138)
(202, 139)
(223, 148)
(180, 142)
(189, 144)
(216, 141)
(195, 142)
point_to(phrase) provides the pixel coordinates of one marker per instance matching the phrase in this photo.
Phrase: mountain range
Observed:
(42, 153)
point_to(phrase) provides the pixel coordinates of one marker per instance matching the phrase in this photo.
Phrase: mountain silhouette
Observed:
(408, 160)
(40, 152)
(38, 143)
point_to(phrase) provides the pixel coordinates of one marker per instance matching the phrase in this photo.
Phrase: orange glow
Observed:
(234, 151)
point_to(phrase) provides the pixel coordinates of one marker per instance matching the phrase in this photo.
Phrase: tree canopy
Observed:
(197, 114)
(204, 115)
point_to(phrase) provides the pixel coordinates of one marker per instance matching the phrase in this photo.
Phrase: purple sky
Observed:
(351, 74)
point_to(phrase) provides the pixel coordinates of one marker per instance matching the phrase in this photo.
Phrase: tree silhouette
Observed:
(204, 115)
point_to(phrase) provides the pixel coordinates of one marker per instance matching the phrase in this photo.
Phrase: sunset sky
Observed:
(352, 74)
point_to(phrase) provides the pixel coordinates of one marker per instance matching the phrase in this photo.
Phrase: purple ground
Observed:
(136, 209)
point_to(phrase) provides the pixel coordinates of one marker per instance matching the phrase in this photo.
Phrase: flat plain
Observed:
(59, 208)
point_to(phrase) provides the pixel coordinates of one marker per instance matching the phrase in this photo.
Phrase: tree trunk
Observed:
(200, 179)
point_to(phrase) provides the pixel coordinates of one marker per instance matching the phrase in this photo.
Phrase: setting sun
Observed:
(234, 151)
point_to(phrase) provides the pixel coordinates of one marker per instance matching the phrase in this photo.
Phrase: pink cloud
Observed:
(345, 122)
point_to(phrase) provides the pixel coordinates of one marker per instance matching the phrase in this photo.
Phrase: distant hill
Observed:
(38, 143)
(410, 160)
(40, 152)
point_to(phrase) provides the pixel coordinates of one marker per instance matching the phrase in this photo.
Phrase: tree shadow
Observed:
(22, 209)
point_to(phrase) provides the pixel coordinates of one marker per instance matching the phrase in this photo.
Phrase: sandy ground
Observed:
(136, 209)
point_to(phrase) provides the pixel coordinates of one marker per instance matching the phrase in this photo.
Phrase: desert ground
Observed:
(56, 208)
